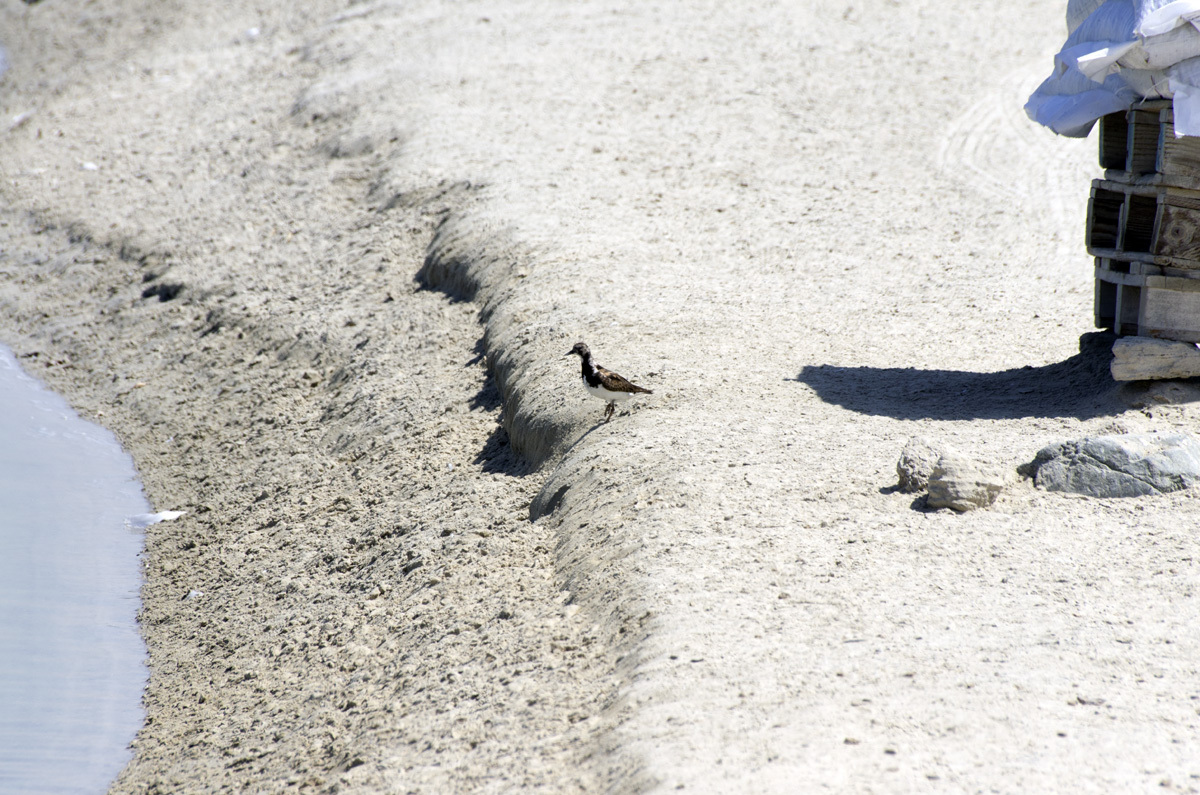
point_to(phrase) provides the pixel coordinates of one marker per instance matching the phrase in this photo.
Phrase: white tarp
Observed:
(1117, 53)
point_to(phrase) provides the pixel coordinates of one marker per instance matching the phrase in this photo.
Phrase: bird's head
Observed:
(579, 350)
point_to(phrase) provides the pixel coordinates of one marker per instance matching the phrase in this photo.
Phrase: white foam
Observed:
(143, 520)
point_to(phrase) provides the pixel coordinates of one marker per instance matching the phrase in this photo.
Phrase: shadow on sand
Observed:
(497, 456)
(1080, 386)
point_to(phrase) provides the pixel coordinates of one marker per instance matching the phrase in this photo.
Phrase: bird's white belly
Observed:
(603, 394)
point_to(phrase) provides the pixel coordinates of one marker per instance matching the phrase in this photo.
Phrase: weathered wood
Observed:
(1145, 134)
(1128, 309)
(1130, 141)
(1116, 269)
(1145, 359)
(1117, 301)
(1104, 306)
(1104, 217)
(1139, 222)
(1154, 180)
(1178, 229)
(1112, 272)
(1143, 227)
(1113, 299)
(1177, 157)
(1170, 309)
(1139, 147)
(1159, 224)
(1138, 299)
(1114, 141)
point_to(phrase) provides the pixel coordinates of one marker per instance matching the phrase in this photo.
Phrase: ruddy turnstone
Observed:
(604, 384)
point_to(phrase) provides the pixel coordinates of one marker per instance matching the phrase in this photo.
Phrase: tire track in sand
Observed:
(992, 147)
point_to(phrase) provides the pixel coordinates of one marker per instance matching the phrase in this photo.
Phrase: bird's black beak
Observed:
(568, 353)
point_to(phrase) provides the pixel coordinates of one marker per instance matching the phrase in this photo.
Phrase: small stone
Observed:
(916, 463)
(962, 484)
(1128, 465)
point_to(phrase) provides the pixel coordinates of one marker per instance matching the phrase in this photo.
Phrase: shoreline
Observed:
(74, 659)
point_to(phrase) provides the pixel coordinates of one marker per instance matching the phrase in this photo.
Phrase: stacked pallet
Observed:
(1143, 228)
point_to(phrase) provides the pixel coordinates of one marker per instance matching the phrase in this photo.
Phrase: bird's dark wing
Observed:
(618, 383)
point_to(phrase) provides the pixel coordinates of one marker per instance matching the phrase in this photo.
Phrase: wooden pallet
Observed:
(1143, 228)
(1135, 298)
(1130, 140)
(1154, 223)
(1139, 147)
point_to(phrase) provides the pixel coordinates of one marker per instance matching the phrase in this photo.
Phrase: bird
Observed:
(605, 384)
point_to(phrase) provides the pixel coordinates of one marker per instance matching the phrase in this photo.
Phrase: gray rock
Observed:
(917, 460)
(1129, 465)
(962, 484)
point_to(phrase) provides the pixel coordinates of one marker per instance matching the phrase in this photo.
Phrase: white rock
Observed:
(962, 484)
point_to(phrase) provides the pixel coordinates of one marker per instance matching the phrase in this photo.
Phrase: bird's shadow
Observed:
(488, 397)
(496, 455)
(1080, 386)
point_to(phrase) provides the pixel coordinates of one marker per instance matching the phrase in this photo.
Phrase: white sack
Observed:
(1117, 53)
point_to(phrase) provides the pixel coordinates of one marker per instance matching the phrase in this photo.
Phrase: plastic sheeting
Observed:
(1117, 53)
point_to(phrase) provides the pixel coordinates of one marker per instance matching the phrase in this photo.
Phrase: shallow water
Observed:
(71, 660)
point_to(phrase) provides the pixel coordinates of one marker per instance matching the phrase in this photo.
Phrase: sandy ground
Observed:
(317, 265)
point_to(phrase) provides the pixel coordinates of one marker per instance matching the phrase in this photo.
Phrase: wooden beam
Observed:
(1146, 359)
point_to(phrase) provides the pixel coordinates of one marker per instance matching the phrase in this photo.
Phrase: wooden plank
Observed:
(1114, 141)
(1138, 223)
(1154, 180)
(1177, 232)
(1150, 260)
(1104, 306)
(1144, 137)
(1157, 224)
(1176, 160)
(1117, 269)
(1104, 217)
(1145, 358)
(1188, 200)
(1178, 157)
(1128, 309)
(1123, 186)
(1136, 299)
(1169, 309)
(1129, 256)
(1180, 266)
(1156, 105)
(1189, 286)
(1167, 270)
(1116, 277)
(1109, 265)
